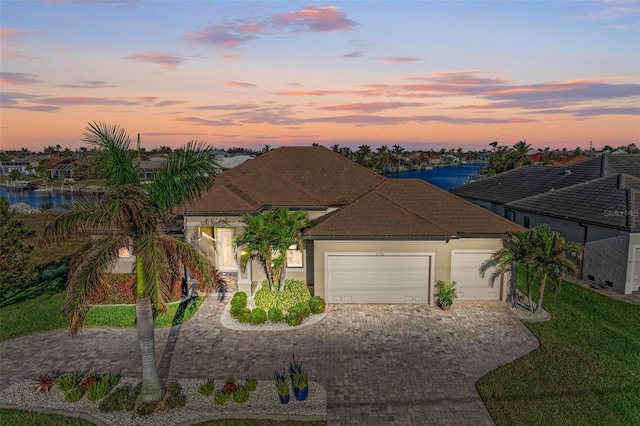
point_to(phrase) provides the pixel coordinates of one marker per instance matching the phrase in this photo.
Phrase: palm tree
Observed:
(550, 258)
(519, 156)
(267, 237)
(519, 251)
(131, 215)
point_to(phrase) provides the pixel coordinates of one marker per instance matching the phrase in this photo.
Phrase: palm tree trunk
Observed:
(543, 282)
(151, 389)
(281, 278)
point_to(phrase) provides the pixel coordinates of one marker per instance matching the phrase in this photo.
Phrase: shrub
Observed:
(251, 384)
(73, 395)
(295, 291)
(241, 395)
(239, 297)
(229, 386)
(294, 316)
(275, 314)
(258, 316)
(123, 398)
(97, 390)
(145, 409)
(45, 382)
(238, 304)
(221, 398)
(245, 316)
(69, 381)
(175, 401)
(317, 305)
(304, 308)
(173, 388)
(265, 298)
(207, 387)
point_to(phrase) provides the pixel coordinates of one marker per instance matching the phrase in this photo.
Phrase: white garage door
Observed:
(465, 271)
(378, 277)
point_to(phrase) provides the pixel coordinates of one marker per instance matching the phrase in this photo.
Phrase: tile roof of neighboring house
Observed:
(567, 161)
(409, 208)
(57, 163)
(311, 177)
(612, 201)
(532, 180)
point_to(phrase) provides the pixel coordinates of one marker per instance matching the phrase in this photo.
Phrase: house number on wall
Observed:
(380, 253)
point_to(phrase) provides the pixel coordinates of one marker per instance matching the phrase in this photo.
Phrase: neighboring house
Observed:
(229, 161)
(60, 168)
(595, 202)
(149, 168)
(22, 167)
(567, 161)
(373, 239)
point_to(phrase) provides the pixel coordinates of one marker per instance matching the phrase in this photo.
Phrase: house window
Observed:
(508, 214)
(526, 222)
(609, 283)
(294, 257)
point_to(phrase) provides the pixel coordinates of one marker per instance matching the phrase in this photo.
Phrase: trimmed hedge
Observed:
(275, 314)
(317, 305)
(258, 316)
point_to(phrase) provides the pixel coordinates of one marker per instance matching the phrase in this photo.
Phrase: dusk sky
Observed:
(423, 75)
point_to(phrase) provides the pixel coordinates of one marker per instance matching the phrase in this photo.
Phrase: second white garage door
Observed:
(378, 277)
(465, 271)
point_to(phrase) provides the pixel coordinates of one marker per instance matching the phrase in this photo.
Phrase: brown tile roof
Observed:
(308, 177)
(410, 208)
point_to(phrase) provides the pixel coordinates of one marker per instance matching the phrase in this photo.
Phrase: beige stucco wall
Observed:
(632, 282)
(441, 249)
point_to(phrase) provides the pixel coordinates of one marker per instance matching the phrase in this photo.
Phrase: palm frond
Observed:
(187, 173)
(87, 274)
(156, 285)
(114, 149)
(191, 256)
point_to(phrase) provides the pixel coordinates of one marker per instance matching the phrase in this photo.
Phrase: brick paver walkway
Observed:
(380, 364)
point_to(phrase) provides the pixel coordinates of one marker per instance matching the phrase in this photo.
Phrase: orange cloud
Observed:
(371, 107)
(308, 92)
(170, 103)
(18, 78)
(12, 33)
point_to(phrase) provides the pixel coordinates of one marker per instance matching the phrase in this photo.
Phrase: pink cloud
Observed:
(147, 99)
(234, 107)
(308, 92)
(231, 57)
(18, 78)
(85, 100)
(238, 84)
(203, 122)
(88, 84)
(371, 107)
(312, 18)
(229, 35)
(170, 103)
(167, 60)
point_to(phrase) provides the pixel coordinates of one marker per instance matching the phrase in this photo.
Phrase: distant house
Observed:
(149, 168)
(229, 161)
(60, 168)
(569, 160)
(595, 202)
(432, 158)
(373, 239)
(22, 167)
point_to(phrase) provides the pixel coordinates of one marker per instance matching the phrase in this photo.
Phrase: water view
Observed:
(38, 199)
(442, 177)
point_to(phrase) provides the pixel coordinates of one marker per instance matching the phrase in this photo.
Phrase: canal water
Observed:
(53, 200)
(443, 177)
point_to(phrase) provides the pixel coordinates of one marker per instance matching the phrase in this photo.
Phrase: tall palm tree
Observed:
(267, 237)
(550, 258)
(133, 215)
(519, 251)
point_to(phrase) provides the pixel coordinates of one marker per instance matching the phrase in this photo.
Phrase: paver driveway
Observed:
(380, 364)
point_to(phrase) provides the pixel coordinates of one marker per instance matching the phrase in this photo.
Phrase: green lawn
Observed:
(587, 370)
(43, 313)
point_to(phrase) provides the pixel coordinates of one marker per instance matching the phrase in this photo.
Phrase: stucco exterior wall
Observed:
(632, 283)
(441, 259)
(606, 260)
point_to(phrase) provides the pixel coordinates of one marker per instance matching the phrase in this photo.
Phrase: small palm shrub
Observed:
(250, 384)
(207, 387)
(68, 381)
(172, 388)
(175, 401)
(73, 395)
(241, 395)
(258, 316)
(221, 398)
(317, 305)
(145, 409)
(123, 398)
(45, 382)
(275, 314)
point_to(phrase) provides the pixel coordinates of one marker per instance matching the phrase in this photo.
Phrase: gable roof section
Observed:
(529, 180)
(409, 208)
(628, 164)
(612, 201)
(306, 177)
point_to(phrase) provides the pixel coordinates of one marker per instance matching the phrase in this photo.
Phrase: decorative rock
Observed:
(23, 208)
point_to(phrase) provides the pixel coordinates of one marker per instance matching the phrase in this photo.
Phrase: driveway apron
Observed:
(380, 364)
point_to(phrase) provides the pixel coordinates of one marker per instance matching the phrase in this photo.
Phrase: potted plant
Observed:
(446, 294)
(299, 380)
(283, 387)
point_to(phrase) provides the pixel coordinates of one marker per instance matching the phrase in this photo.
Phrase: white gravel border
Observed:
(263, 403)
(230, 322)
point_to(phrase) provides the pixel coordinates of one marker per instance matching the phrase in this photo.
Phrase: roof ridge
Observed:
(234, 189)
(294, 184)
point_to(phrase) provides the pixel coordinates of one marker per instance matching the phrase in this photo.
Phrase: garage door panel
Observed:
(470, 283)
(369, 278)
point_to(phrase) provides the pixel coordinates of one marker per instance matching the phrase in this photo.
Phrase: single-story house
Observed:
(595, 202)
(373, 239)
